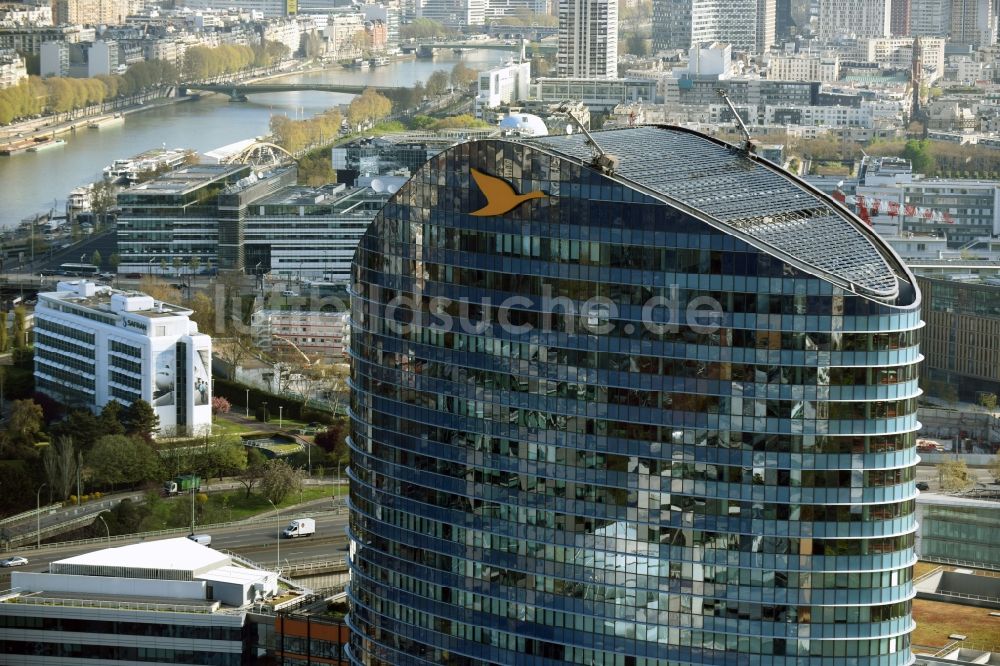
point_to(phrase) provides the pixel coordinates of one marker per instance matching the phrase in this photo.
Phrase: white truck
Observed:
(299, 527)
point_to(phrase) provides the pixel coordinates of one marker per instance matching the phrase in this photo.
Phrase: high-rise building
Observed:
(654, 405)
(853, 18)
(746, 24)
(930, 18)
(94, 12)
(899, 18)
(588, 39)
(671, 25)
(784, 23)
(973, 22)
(94, 344)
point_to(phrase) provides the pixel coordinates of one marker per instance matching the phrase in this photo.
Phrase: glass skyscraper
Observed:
(660, 415)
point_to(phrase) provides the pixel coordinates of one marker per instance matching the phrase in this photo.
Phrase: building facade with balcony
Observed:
(656, 407)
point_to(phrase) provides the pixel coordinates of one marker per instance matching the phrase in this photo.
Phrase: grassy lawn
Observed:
(936, 620)
(222, 426)
(229, 506)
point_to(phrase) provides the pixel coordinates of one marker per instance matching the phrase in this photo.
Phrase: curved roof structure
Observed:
(748, 197)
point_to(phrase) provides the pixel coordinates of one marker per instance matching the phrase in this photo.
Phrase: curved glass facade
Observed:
(605, 428)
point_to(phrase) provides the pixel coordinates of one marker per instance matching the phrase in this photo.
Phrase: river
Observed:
(35, 182)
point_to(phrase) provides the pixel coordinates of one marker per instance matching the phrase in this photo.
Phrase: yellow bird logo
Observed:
(500, 196)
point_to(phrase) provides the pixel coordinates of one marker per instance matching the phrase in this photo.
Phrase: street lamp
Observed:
(149, 266)
(248, 403)
(277, 515)
(38, 516)
(108, 529)
(281, 409)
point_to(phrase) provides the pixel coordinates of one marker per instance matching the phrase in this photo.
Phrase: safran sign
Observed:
(500, 195)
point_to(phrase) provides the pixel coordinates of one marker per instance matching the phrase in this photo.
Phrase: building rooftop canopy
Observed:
(748, 197)
(180, 554)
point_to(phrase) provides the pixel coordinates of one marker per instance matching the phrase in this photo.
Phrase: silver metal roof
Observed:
(757, 201)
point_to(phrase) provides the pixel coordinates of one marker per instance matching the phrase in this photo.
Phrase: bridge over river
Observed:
(240, 91)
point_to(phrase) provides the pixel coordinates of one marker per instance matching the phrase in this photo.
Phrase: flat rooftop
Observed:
(101, 301)
(186, 179)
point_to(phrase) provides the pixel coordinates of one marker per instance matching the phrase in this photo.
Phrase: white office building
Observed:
(588, 39)
(503, 85)
(746, 24)
(453, 13)
(167, 602)
(95, 344)
(853, 18)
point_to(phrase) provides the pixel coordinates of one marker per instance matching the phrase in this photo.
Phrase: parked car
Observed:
(288, 292)
(922, 485)
(16, 561)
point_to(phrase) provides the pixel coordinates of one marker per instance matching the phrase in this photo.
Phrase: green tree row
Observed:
(295, 135)
(202, 62)
(57, 94)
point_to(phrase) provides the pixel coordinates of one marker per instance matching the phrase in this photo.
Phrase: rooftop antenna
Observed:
(747, 146)
(602, 161)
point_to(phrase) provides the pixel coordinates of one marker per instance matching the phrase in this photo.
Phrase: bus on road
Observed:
(78, 269)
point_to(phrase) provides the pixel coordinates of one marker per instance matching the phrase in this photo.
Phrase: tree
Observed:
(995, 468)
(4, 339)
(60, 460)
(96, 258)
(954, 476)
(368, 106)
(462, 76)
(117, 459)
(988, 401)
(220, 405)
(114, 260)
(103, 199)
(177, 262)
(254, 471)
(203, 312)
(20, 332)
(25, 422)
(437, 83)
(919, 154)
(111, 418)
(83, 427)
(279, 480)
(159, 290)
(140, 420)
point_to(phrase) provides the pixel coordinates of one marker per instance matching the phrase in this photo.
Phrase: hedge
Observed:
(236, 393)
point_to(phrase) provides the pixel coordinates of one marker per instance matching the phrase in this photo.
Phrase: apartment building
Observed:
(854, 18)
(588, 39)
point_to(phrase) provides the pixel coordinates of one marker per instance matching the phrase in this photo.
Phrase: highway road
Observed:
(256, 541)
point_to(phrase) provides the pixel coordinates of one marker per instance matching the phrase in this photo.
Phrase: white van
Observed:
(299, 527)
(203, 539)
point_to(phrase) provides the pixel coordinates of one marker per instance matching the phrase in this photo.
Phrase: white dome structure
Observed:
(525, 124)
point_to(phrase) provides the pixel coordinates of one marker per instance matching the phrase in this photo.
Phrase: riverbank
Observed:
(18, 137)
